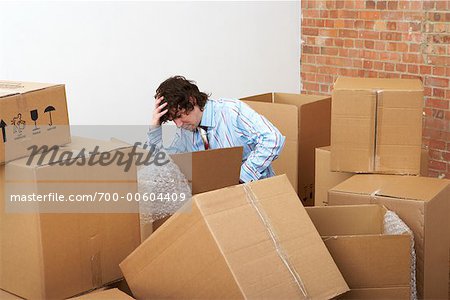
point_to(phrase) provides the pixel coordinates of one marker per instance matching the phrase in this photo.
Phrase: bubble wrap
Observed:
(394, 225)
(161, 180)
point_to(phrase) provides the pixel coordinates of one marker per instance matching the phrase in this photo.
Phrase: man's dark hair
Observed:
(178, 92)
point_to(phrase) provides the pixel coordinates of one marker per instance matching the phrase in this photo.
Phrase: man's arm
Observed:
(155, 138)
(267, 138)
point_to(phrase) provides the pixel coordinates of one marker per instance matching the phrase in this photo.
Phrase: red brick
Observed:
(309, 68)
(416, 5)
(442, 5)
(369, 44)
(435, 154)
(390, 36)
(329, 23)
(411, 58)
(378, 65)
(348, 33)
(328, 32)
(319, 23)
(348, 14)
(413, 48)
(328, 51)
(339, 23)
(447, 71)
(359, 24)
(372, 35)
(349, 43)
(311, 49)
(381, 5)
(339, 42)
(359, 44)
(307, 58)
(310, 31)
(369, 54)
(324, 88)
(402, 26)
(369, 24)
(340, 4)
(334, 14)
(427, 91)
(404, 5)
(380, 46)
(308, 22)
(437, 144)
(370, 4)
(428, 5)
(438, 92)
(436, 103)
(389, 66)
(409, 76)
(391, 26)
(310, 13)
(384, 56)
(392, 15)
(393, 5)
(413, 16)
(369, 15)
(425, 70)
(310, 86)
(436, 81)
(437, 165)
(437, 60)
(368, 64)
(413, 69)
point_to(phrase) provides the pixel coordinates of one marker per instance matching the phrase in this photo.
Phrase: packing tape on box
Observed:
(253, 200)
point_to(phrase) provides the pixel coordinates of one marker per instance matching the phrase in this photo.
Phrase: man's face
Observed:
(189, 121)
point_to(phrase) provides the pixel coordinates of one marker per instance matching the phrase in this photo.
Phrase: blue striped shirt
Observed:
(231, 123)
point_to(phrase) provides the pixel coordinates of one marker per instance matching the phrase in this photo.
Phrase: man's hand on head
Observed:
(158, 111)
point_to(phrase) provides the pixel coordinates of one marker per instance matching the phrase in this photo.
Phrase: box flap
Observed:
(267, 97)
(8, 88)
(297, 99)
(271, 246)
(394, 84)
(348, 219)
(394, 186)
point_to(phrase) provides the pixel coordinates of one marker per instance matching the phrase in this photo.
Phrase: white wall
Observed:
(113, 55)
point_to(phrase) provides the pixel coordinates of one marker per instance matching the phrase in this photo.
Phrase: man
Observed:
(209, 124)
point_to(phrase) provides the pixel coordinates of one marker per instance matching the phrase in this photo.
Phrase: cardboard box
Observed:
(31, 114)
(366, 256)
(270, 249)
(206, 171)
(422, 203)
(376, 125)
(4, 295)
(379, 293)
(58, 255)
(325, 179)
(313, 129)
(110, 294)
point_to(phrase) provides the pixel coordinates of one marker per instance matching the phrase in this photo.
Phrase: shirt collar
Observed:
(208, 115)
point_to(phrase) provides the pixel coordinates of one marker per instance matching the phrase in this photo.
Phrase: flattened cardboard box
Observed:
(367, 258)
(58, 255)
(246, 241)
(326, 179)
(31, 114)
(205, 171)
(313, 130)
(422, 203)
(376, 125)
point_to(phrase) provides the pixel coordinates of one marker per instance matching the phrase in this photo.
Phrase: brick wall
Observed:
(399, 39)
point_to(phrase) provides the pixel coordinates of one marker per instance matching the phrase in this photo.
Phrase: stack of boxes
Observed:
(375, 157)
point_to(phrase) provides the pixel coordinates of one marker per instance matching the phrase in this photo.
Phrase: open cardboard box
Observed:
(246, 241)
(305, 120)
(423, 204)
(205, 171)
(371, 261)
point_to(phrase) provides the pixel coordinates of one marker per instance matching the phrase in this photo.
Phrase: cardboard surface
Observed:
(376, 125)
(20, 103)
(58, 255)
(366, 256)
(325, 179)
(377, 293)
(422, 203)
(314, 122)
(205, 171)
(111, 294)
(204, 255)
